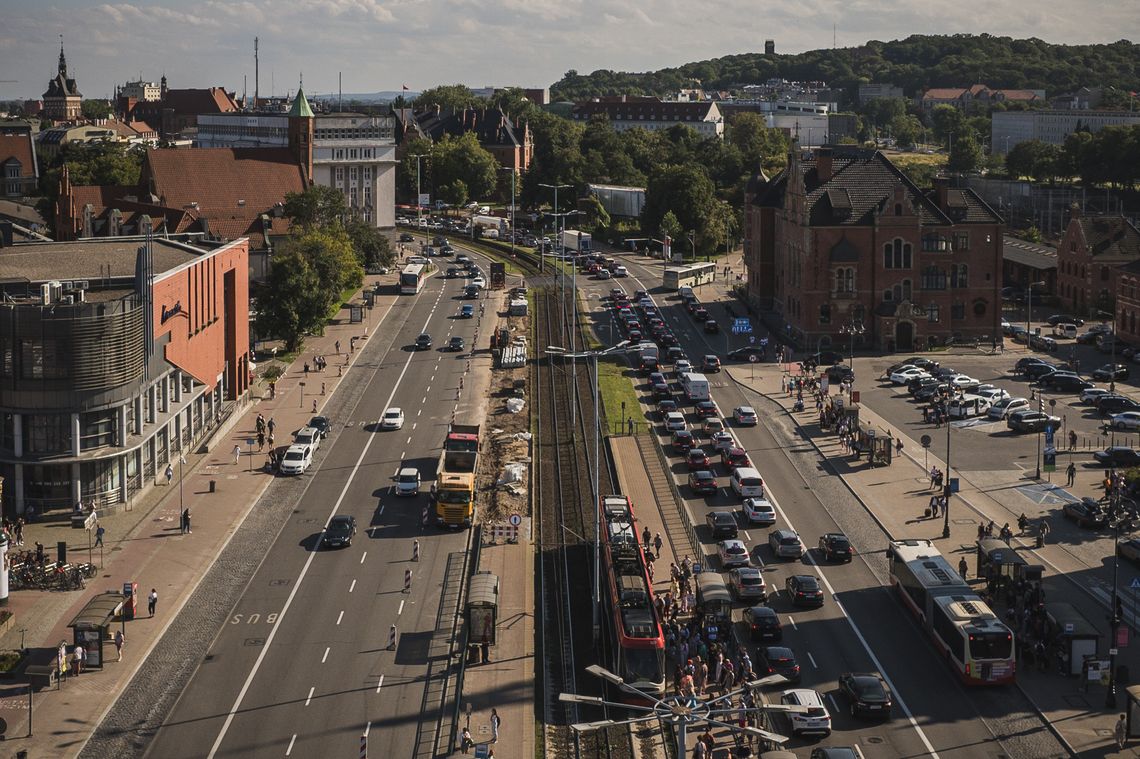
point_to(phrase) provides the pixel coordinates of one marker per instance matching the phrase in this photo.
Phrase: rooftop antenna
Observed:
(833, 36)
(256, 72)
(340, 92)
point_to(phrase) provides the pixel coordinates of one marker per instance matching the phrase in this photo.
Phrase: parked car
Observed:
(320, 424)
(1117, 456)
(1031, 421)
(1086, 513)
(1125, 420)
(297, 460)
(867, 694)
(722, 524)
(1110, 404)
(309, 436)
(1090, 394)
(1111, 372)
(1129, 548)
(1056, 319)
(1070, 384)
(763, 623)
(906, 374)
(747, 353)
(746, 583)
(836, 547)
(786, 544)
(1006, 406)
(804, 590)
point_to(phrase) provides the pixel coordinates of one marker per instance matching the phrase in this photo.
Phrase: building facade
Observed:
(115, 357)
(1089, 258)
(979, 95)
(1008, 128)
(19, 167)
(843, 240)
(652, 114)
(875, 91)
(1127, 310)
(351, 152)
(62, 101)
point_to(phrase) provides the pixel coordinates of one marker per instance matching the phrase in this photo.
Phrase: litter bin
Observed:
(61, 552)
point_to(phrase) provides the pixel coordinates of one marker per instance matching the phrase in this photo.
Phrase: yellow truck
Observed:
(454, 488)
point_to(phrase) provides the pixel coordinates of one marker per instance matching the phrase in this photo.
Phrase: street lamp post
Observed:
(513, 230)
(1112, 373)
(851, 329)
(1117, 611)
(556, 188)
(419, 205)
(1029, 311)
(596, 473)
(946, 489)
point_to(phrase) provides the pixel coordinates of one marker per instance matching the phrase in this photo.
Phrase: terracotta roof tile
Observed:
(1111, 236)
(19, 147)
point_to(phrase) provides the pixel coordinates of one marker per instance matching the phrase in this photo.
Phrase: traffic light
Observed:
(1118, 614)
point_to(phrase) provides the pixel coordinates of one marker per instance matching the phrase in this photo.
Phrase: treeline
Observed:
(915, 64)
(1109, 157)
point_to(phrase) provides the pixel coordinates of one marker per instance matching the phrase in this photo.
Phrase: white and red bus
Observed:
(412, 279)
(977, 644)
(637, 644)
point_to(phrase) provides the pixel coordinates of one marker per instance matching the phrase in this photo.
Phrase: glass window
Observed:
(958, 311)
(47, 433)
(961, 241)
(97, 429)
(932, 312)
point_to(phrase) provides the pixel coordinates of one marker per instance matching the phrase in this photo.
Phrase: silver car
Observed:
(786, 544)
(747, 583)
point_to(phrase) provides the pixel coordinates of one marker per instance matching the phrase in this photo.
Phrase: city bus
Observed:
(637, 643)
(676, 277)
(974, 641)
(412, 279)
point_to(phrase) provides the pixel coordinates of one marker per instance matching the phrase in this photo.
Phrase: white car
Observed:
(296, 460)
(759, 511)
(674, 420)
(907, 373)
(408, 481)
(732, 553)
(1001, 409)
(1126, 420)
(961, 380)
(992, 393)
(393, 419)
(479, 282)
(309, 436)
(816, 720)
(1089, 395)
(745, 416)
(682, 367)
(723, 441)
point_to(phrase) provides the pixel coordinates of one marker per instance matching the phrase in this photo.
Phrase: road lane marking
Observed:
(401, 609)
(352, 587)
(339, 617)
(310, 698)
(378, 686)
(408, 443)
(369, 725)
(291, 742)
(812, 660)
(326, 656)
(365, 556)
(793, 622)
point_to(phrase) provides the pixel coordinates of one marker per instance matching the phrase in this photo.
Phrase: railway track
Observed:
(564, 417)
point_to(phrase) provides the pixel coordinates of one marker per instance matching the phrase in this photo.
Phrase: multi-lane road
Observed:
(302, 666)
(862, 626)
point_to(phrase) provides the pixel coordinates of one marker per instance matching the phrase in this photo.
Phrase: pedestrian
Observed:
(1071, 474)
(80, 659)
(186, 519)
(1121, 732)
(485, 650)
(466, 741)
(270, 440)
(99, 535)
(934, 507)
(260, 442)
(646, 537)
(963, 567)
(19, 531)
(119, 640)
(272, 391)
(272, 425)
(152, 601)
(237, 454)
(495, 723)
(1072, 439)
(337, 344)
(898, 447)
(657, 543)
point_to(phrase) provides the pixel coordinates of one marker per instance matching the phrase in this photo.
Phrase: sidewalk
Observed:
(145, 545)
(896, 497)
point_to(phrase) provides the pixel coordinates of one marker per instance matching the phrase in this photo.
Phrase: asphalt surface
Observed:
(300, 668)
(862, 626)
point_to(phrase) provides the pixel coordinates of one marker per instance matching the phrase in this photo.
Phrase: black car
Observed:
(722, 524)
(1056, 319)
(1031, 421)
(455, 344)
(1046, 380)
(1110, 372)
(747, 353)
(1068, 384)
(1022, 363)
(705, 409)
(710, 363)
(1086, 513)
(825, 358)
(1106, 405)
(868, 695)
(339, 532)
(423, 342)
(665, 405)
(804, 590)
(1129, 548)
(918, 383)
(763, 623)
(838, 373)
(406, 237)
(836, 547)
(778, 660)
(929, 392)
(1034, 372)
(1089, 337)
(711, 326)
(922, 362)
(1117, 456)
(944, 372)
(674, 353)
(320, 424)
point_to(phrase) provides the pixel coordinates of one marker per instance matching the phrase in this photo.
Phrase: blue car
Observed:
(467, 312)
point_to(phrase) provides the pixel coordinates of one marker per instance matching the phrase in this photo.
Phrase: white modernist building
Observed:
(1007, 128)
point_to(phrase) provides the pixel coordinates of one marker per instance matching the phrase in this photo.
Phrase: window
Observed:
(958, 311)
(932, 312)
(340, 175)
(901, 291)
(933, 278)
(961, 241)
(825, 314)
(935, 244)
(98, 430)
(897, 255)
(898, 209)
(47, 433)
(958, 274)
(844, 281)
(888, 296)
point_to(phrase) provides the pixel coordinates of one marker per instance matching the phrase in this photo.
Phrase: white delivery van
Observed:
(696, 386)
(967, 406)
(747, 482)
(1065, 330)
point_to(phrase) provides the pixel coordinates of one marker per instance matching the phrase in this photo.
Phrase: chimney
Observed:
(941, 187)
(823, 167)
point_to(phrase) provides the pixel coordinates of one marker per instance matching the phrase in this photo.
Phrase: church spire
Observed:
(62, 59)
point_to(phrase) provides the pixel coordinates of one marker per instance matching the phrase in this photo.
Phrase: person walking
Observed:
(152, 601)
(186, 520)
(495, 724)
(119, 640)
(260, 441)
(1120, 732)
(99, 532)
(963, 567)
(465, 741)
(1070, 474)
(272, 425)
(1072, 439)
(657, 543)
(237, 454)
(646, 537)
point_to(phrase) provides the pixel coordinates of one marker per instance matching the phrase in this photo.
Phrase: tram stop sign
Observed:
(925, 440)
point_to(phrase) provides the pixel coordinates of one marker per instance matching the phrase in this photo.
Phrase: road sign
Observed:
(752, 339)
(516, 520)
(925, 440)
(425, 199)
(764, 342)
(1135, 583)
(753, 358)
(741, 326)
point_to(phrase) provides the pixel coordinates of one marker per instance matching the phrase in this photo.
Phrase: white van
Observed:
(1065, 330)
(491, 234)
(747, 482)
(967, 406)
(696, 386)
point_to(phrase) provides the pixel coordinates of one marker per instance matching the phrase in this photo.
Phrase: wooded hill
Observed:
(915, 64)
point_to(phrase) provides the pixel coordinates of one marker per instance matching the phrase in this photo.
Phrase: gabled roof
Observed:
(199, 101)
(19, 148)
(1110, 236)
(300, 107)
(62, 87)
(491, 126)
(646, 109)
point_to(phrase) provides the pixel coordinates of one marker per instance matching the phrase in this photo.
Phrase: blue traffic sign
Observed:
(741, 326)
(1135, 583)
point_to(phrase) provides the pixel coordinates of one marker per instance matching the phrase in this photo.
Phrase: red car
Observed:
(682, 441)
(734, 457)
(706, 410)
(697, 459)
(703, 482)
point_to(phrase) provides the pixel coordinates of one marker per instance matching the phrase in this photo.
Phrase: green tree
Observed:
(596, 214)
(316, 207)
(463, 158)
(670, 227)
(96, 163)
(330, 254)
(372, 248)
(291, 303)
(965, 154)
(407, 176)
(946, 120)
(449, 97)
(686, 191)
(557, 160)
(454, 193)
(96, 109)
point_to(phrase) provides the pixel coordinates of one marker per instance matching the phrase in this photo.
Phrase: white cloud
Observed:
(380, 44)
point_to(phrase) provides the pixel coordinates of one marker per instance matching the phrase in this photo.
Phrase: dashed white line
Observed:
(423, 400)
(369, 725)
(378, 685)
(339, 617)
(812, 660)
(791, 620)
(401, 609)
(327, 648)
(408, 442)
(352, 587)
(362, 558)
(418, 413)
(747, 536)
(291, 742)
(310, 697)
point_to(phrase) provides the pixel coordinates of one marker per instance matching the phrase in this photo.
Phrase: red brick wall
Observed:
(1128, 308)
(205, 312)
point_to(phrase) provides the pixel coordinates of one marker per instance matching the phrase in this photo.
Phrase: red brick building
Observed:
(1127, 308)
(1089, 258)
(842, 238)
(19, 170)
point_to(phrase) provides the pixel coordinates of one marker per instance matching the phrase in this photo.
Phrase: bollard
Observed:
(392, 638)
(416, 550)
(407, 581)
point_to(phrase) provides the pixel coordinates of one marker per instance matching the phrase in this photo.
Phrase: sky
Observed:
(385, 45)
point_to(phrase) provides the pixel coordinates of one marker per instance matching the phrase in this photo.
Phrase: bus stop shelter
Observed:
(1075, 634)
(482, 608)
(92, 626)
